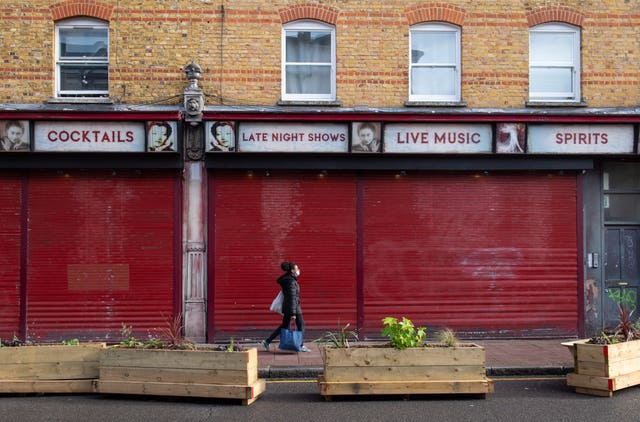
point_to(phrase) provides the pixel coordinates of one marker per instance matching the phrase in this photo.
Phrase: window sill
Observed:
(328, 103)
(80, 100)
(555, 104)
(435, 104)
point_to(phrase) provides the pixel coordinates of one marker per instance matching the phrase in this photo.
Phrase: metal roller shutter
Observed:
(491, 254)
(257, 221)
(10, 250)
(102, 253)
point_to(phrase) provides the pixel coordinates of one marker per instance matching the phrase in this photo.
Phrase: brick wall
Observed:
(152, 40)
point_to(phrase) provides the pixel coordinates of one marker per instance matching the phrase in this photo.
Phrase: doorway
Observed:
(621, 215)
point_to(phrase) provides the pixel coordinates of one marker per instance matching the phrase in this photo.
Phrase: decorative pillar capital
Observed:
(193, 96)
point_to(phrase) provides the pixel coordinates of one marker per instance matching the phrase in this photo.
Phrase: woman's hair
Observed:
(366, 125)
(287, 266)
(164, 124)
(14, 123)
(219, 124)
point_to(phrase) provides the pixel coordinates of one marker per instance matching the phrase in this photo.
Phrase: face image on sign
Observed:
(161, 136)
(221, 136)
(510, 138)
(14, 135)
(365, 137)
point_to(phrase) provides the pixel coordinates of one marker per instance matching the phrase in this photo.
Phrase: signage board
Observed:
(430, 138)
(580, 139)
(89, 136)
(292, 137)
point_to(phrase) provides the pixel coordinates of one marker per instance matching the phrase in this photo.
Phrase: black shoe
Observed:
(265, 344)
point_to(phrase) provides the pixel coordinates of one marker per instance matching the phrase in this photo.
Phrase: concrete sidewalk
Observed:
(504, 358)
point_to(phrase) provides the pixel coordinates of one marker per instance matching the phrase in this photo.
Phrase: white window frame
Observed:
(572, 62)
(436, 27)
(308, 25)
(79, 23)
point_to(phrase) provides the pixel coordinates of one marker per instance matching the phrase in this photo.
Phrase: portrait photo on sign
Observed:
(510, 138)
(365, 137)
(221, 136)
(161, 136)
(14, 135)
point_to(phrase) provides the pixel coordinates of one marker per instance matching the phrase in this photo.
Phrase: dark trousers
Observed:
(286, 323)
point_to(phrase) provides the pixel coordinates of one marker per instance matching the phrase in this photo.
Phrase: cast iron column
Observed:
(194, 212)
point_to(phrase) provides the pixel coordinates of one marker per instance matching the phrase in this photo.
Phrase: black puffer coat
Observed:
(291, 293)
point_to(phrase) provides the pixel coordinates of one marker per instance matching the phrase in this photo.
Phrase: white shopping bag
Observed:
(276, 305)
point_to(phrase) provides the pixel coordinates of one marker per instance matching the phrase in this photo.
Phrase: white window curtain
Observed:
(435, 62)
(309, 61)
(554, 63)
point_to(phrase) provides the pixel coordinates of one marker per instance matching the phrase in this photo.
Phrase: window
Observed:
(309, 63)
(621, 186)
(82, 58)
(435, 62)
(554, 63)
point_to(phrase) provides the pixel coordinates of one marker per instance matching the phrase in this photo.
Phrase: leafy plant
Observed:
(231, 346)
(127, 338)
(610, 339)
(153, 343)
(341, 338)
(172, 333)
(403, 334)
(16, 342)
(447, 337)
(72, 342)
(625, 328)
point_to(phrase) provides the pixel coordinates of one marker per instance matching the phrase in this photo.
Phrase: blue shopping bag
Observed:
(290, 340)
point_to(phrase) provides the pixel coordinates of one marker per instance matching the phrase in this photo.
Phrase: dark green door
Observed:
(621, 211)
(622, 272)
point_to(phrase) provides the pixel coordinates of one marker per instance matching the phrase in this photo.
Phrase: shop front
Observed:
(90, 225)
(514, 225)
(477, 223)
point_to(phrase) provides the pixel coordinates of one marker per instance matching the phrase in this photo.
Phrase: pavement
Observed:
(544, 357)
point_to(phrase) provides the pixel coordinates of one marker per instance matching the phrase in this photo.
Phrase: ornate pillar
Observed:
(194, 212)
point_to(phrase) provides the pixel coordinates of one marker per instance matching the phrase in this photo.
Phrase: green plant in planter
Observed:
(16, 342)
(72, 342)
(626, 330)
(341, 338)
(447, 337)
(127, 338)
(403, 334)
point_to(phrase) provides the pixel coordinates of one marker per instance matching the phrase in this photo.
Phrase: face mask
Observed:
(297, 273)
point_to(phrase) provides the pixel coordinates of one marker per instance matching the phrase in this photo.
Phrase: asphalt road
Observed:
(545, 400)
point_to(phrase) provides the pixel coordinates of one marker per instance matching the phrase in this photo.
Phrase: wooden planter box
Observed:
(602, 369)
(422, 370)
(49, 369)
(190, 373)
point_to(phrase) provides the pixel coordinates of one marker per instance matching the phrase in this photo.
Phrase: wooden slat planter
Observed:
(49, 368)
(422, 370)
(601, 369)
(189, 373)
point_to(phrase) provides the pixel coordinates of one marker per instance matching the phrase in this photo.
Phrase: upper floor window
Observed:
(435, 62)
(309, 61)
(554, 63)
(82, 58)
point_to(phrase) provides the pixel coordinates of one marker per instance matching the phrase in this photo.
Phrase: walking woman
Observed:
(290, 304)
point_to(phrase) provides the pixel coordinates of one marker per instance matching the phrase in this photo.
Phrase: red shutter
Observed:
(476, 253)
(257, 221)
(10, 250)
(490, 254)
(101, 253)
